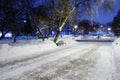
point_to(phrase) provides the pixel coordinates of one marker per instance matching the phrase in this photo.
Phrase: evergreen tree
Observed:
(116, 24)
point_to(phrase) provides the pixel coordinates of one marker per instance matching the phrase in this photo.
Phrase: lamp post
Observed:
(109, 29)
(75, 29)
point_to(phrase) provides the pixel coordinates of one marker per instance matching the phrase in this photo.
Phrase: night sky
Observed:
(105, 17)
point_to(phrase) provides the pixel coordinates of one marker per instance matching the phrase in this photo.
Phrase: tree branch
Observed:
(53, 4)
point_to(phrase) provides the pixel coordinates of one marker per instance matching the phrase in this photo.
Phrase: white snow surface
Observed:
(24, 48)
(38, 60)
(116, 51)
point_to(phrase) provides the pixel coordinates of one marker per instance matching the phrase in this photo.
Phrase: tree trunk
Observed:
(42, 36)
(3, 34)
(64, 22)
(48, 33)
(14, 37)
(40, 33)
(62, 25)
(57, 36)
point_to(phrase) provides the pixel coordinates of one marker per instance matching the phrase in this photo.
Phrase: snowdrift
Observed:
(68, 41)
(116, 51)
(116, 46)
(24, 48)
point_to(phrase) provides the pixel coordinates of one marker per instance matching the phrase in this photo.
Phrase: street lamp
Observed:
(24, 21)
(0, 34)
(75, 26)
(101, 26)
(109, 29)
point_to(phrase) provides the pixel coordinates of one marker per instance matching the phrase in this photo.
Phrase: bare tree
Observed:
(8, 17)
(58, 12)
(116, 25)
(64, 9)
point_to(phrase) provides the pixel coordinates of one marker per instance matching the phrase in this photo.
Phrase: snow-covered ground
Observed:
(24, 48)
(21, 49)
(37, 60)
(116, 51)
(96, 38)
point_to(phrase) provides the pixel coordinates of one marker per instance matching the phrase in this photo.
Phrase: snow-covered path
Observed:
(79, 62)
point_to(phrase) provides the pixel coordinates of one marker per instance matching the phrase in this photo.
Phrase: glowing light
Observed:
(101, 26)
(75, 26)
(8, 35)
(24, 21)
(53, 32)
(109, 29)
(0, 34)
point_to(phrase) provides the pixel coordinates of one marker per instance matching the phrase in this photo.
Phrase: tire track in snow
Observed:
(20, 68)
(58, 68)
(9, 63)
(29, 60)
(105, 68)
(79, 68)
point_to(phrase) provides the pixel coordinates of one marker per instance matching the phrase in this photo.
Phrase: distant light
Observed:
(109, 29)
(24, 21)
(53, 32)
(75, 26)
(94, 28)
(8, 35)
(101, 26)
(0, 34)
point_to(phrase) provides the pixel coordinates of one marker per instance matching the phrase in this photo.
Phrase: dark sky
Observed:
(105, 17)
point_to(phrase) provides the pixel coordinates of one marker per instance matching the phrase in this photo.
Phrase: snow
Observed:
(68, 40)
(40, 62)
(43, 60)
(116, 47)
(116, 51)
(8, 35)
(24, 48)
(91, 37)
(105, 67)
